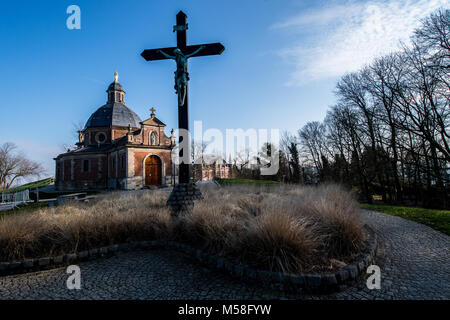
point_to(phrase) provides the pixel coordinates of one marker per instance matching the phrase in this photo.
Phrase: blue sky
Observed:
(279, 68)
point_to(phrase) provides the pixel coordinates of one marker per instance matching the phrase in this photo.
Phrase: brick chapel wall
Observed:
(135, 158)
(73, 177)
(112, 165)
(96, 168)
(161, 138)
(139, 156)
(118, 164)
(119, 133)
(122, 157)
(119, 169)
(67, 170)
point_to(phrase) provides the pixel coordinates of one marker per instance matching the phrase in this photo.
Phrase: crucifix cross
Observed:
(181, 53)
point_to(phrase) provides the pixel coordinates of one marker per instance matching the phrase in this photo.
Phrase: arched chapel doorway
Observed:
(153, 170)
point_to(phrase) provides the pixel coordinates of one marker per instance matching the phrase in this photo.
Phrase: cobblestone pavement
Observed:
(414, 261)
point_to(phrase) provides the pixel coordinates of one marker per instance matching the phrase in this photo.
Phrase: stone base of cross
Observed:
(183, 197)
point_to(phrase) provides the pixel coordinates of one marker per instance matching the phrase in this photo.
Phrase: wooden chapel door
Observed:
(153, 170)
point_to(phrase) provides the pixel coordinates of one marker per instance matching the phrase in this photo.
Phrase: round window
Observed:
(100, 137)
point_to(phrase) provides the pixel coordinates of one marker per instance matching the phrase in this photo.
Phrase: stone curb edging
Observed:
(297, 283)
(318, 283)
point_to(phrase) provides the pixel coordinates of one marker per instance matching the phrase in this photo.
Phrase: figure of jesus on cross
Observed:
(181, 75)
(181, 53)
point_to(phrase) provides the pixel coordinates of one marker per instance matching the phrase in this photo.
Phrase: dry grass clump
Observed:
(280, 242)
(280, 228)
(115, 218)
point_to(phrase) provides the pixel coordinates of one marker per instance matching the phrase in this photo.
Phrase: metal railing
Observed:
(15, 197)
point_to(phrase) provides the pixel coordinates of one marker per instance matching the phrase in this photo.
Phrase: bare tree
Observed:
(313, 139)
(434, 35)
(14, 166)
(242, 162)
(77, 128)
(198, 151)
(289, 149)
(385, 76)
(388, 133)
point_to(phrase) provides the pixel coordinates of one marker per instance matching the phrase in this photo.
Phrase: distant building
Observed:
(117, 150)
(218, 169)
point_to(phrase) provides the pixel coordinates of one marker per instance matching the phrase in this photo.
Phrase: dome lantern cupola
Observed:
(115, 91)
(114, 112)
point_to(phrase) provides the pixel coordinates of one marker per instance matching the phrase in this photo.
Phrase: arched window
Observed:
(153, 138)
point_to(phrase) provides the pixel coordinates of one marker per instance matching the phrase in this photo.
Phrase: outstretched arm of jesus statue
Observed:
(166, 55)
(195, 52)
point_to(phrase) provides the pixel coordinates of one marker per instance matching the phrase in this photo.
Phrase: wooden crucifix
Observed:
(181, 53)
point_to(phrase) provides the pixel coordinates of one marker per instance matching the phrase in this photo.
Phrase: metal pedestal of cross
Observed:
(181, 53)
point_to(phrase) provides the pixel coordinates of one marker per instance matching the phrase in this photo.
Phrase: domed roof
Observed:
(115, 86)
(113, 114)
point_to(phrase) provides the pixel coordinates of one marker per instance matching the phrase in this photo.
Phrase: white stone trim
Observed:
(130, 163)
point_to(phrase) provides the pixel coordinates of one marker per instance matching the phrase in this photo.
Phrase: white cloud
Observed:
(347, 36)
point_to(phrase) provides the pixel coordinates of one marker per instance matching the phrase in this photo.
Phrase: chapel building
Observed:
(117, 150)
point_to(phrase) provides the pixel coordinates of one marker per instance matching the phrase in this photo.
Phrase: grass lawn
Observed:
(436, 219)
(247, 181)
